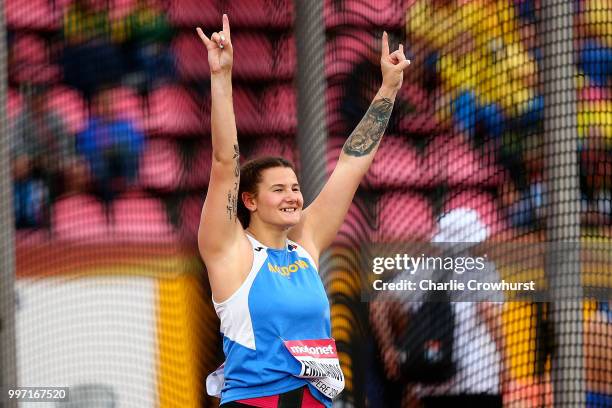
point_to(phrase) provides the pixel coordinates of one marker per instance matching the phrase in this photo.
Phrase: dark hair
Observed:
(250, 176)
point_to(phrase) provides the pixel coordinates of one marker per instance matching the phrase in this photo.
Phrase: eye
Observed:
(277, 190)
(296, 189)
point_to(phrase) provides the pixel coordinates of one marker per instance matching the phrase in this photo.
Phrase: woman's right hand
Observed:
(220, 50)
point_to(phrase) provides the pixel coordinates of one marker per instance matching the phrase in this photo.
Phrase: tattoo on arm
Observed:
(368, 132)
(232, 195)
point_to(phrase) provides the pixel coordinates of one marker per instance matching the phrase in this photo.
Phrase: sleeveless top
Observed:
(281, 299)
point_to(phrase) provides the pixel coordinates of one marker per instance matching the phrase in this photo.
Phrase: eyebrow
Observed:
(283, 185)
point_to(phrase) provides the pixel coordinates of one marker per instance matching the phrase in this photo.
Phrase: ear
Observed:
(249, 201)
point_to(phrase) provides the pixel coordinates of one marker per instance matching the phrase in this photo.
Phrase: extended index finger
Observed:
(226, 27)
(385, 44)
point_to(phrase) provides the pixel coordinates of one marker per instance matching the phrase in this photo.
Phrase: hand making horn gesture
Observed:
(392, 65)
(220, 50)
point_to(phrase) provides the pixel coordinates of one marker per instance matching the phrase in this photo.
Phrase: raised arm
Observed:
(220, 229)
(323, 217)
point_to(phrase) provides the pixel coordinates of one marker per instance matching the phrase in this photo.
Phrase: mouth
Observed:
(289, 210)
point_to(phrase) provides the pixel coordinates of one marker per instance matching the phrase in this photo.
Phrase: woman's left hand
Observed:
(392, 64)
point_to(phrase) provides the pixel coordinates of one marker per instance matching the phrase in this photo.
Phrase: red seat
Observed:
(334, 95)
(347, 49)
(387, 14)
(458, 165)
(80, 217)
(396, 165)
(191, 60)
(160, 166)
(174, 111)
(404, 217)
(284, 63)
(121, 8)
(15, 104)
(30, 61)
(252, 56)
(594, 94)
(31, 14)
(70, 105)
(195, 13)
(249, 114)
(274, 146)
(280, 106)
(260, 14)
(191, 210)
(141, 219)
(197, 168)
(127, 104)
(480, 201)
(357, 227)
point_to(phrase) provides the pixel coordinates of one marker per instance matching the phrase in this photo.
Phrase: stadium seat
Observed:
(334, 94)
(191, 210)
(191, 61)
(31, 15)
(396, 165)
(595, 93)
(249, 114)
(14, 104)
(70, 105)
(480, 201)
(284, 64)
(457, 164)
(195, 13)
(423, 119)
(80, 218)
(174, 111)
(260, 14)
(252, 56)
(280, 107)
(357, 227)
(197, 168)
(160, 166)
(127, 104)
(141, 219)
(383, 14)
(347, 49)
(121, 8)
(404, 217)
(273, 146)
(29, 49)
(30, 62)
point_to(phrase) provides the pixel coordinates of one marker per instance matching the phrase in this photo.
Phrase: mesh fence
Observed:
(108, 117)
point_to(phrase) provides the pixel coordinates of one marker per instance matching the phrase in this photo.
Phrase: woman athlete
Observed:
(261, 250)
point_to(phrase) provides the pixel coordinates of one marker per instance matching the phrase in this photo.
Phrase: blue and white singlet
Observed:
(281, 299)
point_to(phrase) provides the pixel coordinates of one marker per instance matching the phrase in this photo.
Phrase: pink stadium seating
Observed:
(284, 63)
(30, 61)
(160, 166)
(458, 165)
(141, 219)
(121, 8)
(384, 14)
(80, 218)
(127, 104)
(197, 169)
(280, 107)
(346, 49)
(174, 111)
(70, 105)
(404, 217)
(195, 13)
(274, 146)
(358, 226)
(396, 165)
(334, 95)
(15, 104)
(191, 209)
(31, 14)
(29, 49)
(190, 54)
(252, 56)
(260, 14)
(480, 201)
(595, 94)
(249, 115)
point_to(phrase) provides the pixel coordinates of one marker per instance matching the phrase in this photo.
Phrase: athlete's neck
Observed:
(270, 237)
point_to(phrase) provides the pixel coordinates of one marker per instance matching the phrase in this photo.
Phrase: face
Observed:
(278, 200)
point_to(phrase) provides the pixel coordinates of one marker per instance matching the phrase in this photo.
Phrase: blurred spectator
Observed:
(595, 57)
(478, 350)
(147, 37)
(112, 147)
(44, 161)
(90, 59)
(598, 357)
(524, 208)
(595, 180)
